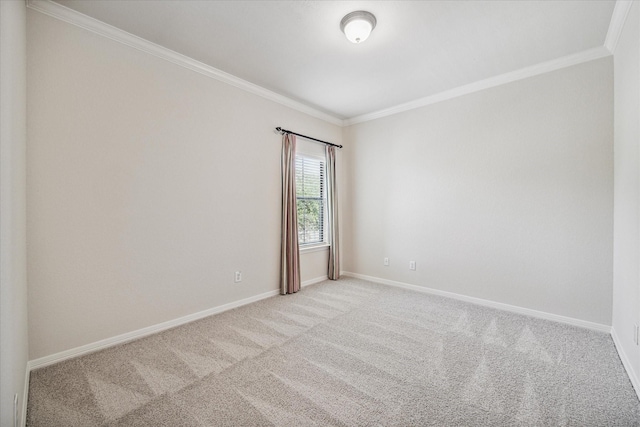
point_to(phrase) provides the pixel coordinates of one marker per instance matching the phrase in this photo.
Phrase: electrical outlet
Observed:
(386, 261)
(412, 265)
(238, 277)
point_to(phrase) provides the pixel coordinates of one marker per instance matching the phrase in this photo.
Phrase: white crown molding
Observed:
(487, 303)
(71, 16)
(619, 16)
(523, 73)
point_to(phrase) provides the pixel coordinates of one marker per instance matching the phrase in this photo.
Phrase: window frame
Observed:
(323, 244)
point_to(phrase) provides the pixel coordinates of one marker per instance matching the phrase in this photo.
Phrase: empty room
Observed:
(319, 213)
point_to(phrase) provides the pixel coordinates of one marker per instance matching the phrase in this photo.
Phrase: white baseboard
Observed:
(130, 336)
(487, 303)
(633, 377)
(25, 396)
(140, 333)
(313, 281)
(635, 381)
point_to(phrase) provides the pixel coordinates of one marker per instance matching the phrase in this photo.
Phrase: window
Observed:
(310, 194)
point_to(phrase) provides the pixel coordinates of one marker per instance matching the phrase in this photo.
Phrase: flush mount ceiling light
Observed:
(358, 25)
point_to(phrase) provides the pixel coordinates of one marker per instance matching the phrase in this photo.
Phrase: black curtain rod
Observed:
(279, 129)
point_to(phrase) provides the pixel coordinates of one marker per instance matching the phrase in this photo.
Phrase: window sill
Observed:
(314, 248)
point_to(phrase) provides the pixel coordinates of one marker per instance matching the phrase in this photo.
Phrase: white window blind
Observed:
(311, 198)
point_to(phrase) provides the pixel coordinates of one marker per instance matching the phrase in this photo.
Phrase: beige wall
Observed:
(13, 272)
(504, 194)
(626, 271)
(148, 186)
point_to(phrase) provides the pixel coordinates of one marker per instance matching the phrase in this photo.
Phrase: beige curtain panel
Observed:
(332, 215)
(289, 258)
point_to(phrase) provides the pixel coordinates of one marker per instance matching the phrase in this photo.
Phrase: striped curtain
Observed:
(289, 257)
(332, 215)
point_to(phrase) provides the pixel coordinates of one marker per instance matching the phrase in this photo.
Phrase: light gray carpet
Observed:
(346, 353)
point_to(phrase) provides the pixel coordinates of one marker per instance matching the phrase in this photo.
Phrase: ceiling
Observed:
(418, 49)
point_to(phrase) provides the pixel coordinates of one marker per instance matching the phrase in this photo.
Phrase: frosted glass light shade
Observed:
(358, 25)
